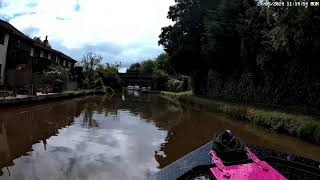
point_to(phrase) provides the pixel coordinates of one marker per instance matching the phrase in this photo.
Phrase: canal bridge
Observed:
(141, 79)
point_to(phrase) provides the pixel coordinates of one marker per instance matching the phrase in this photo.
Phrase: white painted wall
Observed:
(32, 52)
(3, 57)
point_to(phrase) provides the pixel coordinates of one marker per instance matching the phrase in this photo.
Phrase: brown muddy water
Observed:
(124, 137)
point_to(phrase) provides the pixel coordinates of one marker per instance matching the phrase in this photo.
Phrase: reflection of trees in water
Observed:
(21, 127)
(4, 148)
(88, 121)
(151, 108)
(34, 124)
(177, 140)
(97, 105)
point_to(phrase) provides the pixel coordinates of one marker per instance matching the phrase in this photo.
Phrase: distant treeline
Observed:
(236, 50)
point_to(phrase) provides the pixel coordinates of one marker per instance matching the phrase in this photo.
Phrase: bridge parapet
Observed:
(141, 79)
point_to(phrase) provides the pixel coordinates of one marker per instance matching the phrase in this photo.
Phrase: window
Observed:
(41, 53)
(32, 52)
(64, 63)
(0, 70)
(2, 36)
(18, 43)
(49, 56)
(45, 55)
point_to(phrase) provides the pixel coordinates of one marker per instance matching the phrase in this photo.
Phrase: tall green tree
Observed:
(90, 62)
(134, 68)
(245, 51)
(182, 41)
(147, 66)
(162, 62)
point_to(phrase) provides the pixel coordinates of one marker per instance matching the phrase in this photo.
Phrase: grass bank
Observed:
(294, 124)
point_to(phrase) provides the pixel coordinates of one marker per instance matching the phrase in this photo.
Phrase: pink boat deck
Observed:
(251, 171)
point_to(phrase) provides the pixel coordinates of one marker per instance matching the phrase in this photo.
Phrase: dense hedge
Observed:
(287, 89)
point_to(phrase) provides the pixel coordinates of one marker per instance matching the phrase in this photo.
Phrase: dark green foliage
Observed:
(97, 75)
(182, 41)
(316, 134)
(109, 75)
(174, 85)
(99, 84)
(134, 68)
(53, 79)
(160, 80)
(147, 66)
(109, 91)
(113, 68)
(57, 86)
(37, 39)
(162, 62)
(186, 83)
(90, 77)
(111, 80)
(236, 50)
(179, 85)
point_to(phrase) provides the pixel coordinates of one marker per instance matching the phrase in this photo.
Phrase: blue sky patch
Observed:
(60, 18)
(32, 4)
(31, 31)
(77, 6)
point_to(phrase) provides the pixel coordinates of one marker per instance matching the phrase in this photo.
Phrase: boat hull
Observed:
(199, 162)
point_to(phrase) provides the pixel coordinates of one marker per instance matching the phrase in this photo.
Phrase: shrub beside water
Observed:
(181, 84)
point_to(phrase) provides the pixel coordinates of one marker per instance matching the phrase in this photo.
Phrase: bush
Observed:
(175, 85)
(179, 85)
(186, 83)
(109, 91)
(111, 80)
(86, 84)
(160, 79)
(316, 135)
(308, 130)
(52, 79)
(99, 84)
(57, 86)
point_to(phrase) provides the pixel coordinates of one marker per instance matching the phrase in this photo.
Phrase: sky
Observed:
(123, 31)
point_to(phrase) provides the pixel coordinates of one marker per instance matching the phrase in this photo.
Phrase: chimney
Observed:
(46, 42)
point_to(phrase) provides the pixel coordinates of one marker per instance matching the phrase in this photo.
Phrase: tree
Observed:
(134, 68)
(160, 80)
(147, 66)
(90, 61)
(113, 68)
(37, 39)
(109, 75)
(162, 62)
(53, 78)
(237, 50)
(182, 41)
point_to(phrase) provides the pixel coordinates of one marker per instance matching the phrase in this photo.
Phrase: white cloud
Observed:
(121, 22)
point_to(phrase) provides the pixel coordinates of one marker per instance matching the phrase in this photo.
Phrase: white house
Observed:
(4, 40)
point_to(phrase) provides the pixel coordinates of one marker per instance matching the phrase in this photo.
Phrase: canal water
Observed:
(128, 136)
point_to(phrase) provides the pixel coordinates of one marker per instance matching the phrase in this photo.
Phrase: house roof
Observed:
(7, 26)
